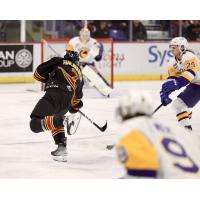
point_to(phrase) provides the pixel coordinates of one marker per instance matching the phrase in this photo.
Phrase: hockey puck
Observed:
(109, 147)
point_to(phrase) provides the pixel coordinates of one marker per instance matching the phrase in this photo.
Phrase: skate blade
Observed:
(60, 158)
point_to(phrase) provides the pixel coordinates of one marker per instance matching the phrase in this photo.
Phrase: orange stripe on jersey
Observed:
(182, 116)
(190, 116)
(73, 85)
(38, 76)
(45, 123)
(68, 78)
(72, 81)
(57, 130)
(75, 78)
(188, 77)
(74, 100)
(49, 123)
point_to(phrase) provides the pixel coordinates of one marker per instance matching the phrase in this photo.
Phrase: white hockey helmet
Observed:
(180, 42)
(134, 103)
(84, 34)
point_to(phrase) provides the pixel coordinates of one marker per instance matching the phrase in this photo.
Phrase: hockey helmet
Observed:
(69, 47)
(134, 103)
(84, 34)
(71, 54)
(180, 42)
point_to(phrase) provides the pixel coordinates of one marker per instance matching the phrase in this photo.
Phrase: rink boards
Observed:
(132, 61)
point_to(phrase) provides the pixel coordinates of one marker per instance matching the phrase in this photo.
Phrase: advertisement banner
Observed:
(144, 60)
(16, 58)
(141, 58)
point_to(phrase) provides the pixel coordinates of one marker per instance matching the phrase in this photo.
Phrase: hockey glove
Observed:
(164, 97)
(56, 61)
(76, 108)
(170, 86)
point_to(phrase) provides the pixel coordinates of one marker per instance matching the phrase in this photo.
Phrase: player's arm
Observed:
(42, 71)
(98, 57)
(184, 78)
(172, 73)
(164, 93)
(138, 155)
(76, 102)
(187, 76)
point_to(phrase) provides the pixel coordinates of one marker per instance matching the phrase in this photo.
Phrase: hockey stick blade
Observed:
(102, 129)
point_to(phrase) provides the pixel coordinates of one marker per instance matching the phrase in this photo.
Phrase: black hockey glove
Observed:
(76, 108)
(56, 61)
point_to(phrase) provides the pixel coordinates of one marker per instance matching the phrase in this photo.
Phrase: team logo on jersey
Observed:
(122, 154)
(23, 58)
(84, 52)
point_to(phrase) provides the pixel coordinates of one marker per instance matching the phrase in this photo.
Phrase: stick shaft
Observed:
(100, 128)
(157, 108)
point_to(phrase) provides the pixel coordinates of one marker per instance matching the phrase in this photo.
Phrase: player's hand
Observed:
(170, 86)
(164, 97)
(76, 108)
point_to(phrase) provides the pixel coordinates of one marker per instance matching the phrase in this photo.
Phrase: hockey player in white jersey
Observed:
(149, 148)
(90, 52)
(183, 71)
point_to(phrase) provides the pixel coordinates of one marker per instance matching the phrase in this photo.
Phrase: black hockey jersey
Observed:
(61, 73)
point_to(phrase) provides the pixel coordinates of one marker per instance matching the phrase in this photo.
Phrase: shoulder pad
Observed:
(171, 62)
(188, 55)
(75, 39)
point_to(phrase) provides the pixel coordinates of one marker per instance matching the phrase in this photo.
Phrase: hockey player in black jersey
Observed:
(63, 92)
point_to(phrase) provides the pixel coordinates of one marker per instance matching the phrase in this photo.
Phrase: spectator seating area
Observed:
(119, 30)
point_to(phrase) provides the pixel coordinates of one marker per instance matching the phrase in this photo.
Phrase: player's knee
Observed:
(58, 121)
(179, 105)
(35, 125)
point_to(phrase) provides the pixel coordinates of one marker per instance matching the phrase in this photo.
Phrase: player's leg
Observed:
(96, 81)
(43, 118)
(182, 115)
(71, 123)
(185, 101)
(101, 76)
(190, 113)
(60, 153)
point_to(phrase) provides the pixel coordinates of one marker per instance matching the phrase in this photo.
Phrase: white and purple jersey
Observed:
(90, 52)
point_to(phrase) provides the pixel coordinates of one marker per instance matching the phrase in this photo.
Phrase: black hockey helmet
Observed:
(71, 55)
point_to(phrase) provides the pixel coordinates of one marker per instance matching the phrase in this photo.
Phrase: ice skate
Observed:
(60, 154)
(189, 127)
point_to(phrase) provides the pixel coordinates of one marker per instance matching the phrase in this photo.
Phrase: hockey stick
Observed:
(51, 48)
(103, 128)
(105, 81)
(157, 109)
(111, 146)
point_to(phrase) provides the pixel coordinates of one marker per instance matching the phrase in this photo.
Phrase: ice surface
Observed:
(24, 154)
